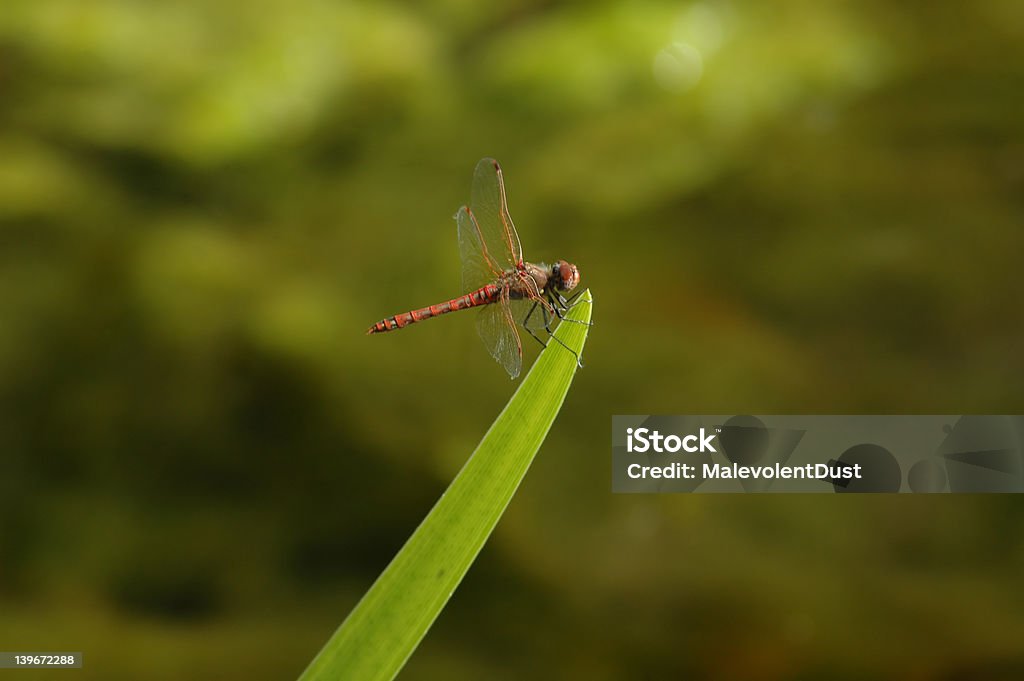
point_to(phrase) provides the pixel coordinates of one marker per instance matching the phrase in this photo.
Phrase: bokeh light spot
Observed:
(678, 67)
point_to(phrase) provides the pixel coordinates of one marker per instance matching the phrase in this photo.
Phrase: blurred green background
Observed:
(786, 207)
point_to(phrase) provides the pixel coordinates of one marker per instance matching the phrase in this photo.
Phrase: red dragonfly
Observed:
(497, 278)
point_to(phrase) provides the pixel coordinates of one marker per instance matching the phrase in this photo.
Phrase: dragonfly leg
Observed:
(571, 300)
(560, 305)
(579, 361)
(551, 334)
(526, 324)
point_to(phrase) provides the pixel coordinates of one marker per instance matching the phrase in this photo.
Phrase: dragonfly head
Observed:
(565, 275)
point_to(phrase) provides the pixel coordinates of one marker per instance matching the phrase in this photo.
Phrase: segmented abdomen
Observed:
(482, 296)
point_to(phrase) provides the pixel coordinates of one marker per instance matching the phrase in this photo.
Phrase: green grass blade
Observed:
(385, 627)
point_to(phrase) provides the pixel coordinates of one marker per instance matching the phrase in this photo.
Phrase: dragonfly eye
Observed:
(567, 275)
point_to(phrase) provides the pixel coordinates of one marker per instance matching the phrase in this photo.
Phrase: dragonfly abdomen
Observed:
(482, 296)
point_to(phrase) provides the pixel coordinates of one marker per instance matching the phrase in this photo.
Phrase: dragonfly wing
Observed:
(497, 328)
(490, 208)
(478, 267)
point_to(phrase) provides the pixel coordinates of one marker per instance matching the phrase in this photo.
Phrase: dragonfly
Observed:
(511, 291)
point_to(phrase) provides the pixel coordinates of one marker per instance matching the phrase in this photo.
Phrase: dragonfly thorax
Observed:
(561, 276)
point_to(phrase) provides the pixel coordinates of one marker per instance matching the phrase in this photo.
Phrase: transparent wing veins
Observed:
(490, 208)
(498, 331)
